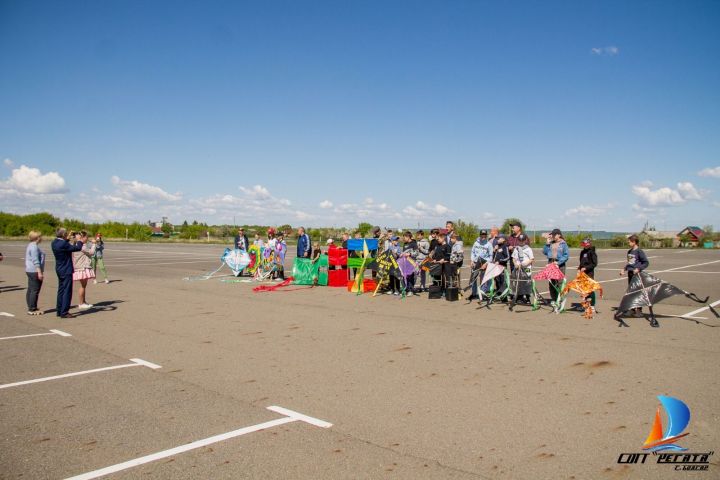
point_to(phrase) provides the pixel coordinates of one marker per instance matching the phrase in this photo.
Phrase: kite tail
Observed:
(695, 298)
(535, 297)
(284, 283)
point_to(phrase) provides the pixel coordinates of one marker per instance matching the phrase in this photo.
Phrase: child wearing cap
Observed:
(556, 251)
(523, 258)
(588, 262)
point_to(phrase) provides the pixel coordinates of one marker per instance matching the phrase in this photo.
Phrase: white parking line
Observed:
(690, 314)
(136, 363)
(51, 332)
(290, 416)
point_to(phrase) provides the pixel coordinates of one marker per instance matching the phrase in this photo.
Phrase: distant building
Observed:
(659, 239)
(694, 236)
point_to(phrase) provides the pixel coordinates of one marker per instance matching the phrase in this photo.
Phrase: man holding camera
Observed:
(63, 250)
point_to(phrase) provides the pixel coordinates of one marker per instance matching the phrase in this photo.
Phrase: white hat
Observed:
(329, 241)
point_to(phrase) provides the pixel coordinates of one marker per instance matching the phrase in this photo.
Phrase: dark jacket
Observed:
(441, 252)
(63, 250)
(588, 260)
(501, 255)
(636, 259)
(303, 246)
(238, 240)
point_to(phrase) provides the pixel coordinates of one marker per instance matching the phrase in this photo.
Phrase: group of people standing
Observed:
(443, 255)
(76, 260)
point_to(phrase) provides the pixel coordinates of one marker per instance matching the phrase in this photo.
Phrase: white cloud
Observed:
(421, 209)
(326, 204)
(135, 190)
(710, 172)
(688, 191)
(609, 51)
(588, 210)
(8, 163)
(666, 196)
(30, 181)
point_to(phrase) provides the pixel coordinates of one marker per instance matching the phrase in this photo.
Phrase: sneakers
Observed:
(85, 306)
(95, 282)
(388, 292)
(396, 293)
(107, 281)
(409, 293)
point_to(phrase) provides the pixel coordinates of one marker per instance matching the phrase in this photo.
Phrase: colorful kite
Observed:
(492, 272)
(553, 272)
(646, 290)
(407, 267)
(584, 286)
(236, 260)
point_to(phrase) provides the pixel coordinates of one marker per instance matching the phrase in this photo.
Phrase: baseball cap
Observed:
(394, 237)
(586, 241)
(329, 241)
(483, 232)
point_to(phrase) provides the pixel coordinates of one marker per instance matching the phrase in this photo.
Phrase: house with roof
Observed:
(691, 236)
(661, 239)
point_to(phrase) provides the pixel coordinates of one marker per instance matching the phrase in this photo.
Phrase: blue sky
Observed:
(598, 114)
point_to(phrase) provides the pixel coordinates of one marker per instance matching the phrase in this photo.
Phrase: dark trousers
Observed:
(410, 283)
(64, 295)
(555, 285)
(33, 291)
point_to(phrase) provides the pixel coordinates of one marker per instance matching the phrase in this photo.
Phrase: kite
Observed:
(553, 272)
(585, 286)
(255, 253)
(237, 260)
(386, 266)
(522, 284)
(407, 268)
(646, 290)
(492, 271)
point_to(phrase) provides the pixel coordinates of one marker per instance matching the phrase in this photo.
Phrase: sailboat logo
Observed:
(678, 415)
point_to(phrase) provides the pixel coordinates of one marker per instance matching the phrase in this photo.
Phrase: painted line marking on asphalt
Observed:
(702, 309)
(680, 271)
(289, 417)
(51, 332)
(136, 363)
(6, 314)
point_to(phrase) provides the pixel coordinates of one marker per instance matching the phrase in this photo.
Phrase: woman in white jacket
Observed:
(82, 267)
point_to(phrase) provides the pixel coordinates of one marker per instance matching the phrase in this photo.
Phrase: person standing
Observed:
(514, 238)
(556, 251)
(480, 254)
(423, 247)
(82, 269)
(304, 248)
(63, 250)
(588, 263)
(241, 240)
(98, 260)
(450, 228)
(637, 261)
(34, 269)
(410, 250)
(522, 260)
(441, 259)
